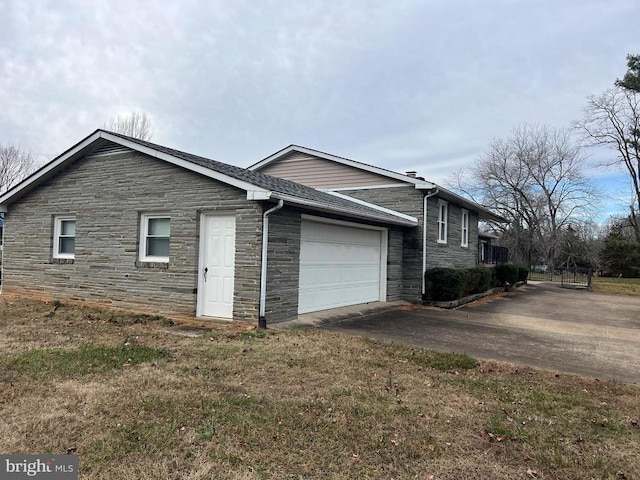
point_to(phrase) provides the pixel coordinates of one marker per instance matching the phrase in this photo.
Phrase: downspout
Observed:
(262, 321)
(424, 240)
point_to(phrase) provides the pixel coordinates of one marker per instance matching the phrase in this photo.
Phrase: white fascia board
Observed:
(55, 163)
(422, 184)
(375, 207)
(83, 144)
(322, 207)
(483, 212)
(207, 172)
(258, 194)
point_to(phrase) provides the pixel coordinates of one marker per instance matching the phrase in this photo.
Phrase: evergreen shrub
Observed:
(444, 284)
(478, 280)
(523, 274)
(506, 274)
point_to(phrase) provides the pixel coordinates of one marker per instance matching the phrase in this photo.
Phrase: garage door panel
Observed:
(339, 266)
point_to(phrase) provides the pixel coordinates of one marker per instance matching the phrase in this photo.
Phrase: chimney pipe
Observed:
(412, 174)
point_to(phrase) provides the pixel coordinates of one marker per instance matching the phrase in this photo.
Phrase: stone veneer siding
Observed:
(451, 254)
(107, 195)
(283, 263)
(409, 201)
(406, 200)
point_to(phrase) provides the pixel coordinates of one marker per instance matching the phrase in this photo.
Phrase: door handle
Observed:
(206, 269)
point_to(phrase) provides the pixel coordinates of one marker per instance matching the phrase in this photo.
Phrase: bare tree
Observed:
(134, 124)
(612, 119)
(15, 165)
(534, 179)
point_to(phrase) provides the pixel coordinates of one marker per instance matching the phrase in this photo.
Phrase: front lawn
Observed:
(137, 397)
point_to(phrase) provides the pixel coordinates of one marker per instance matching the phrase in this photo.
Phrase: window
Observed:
(442, 221)
(154, 238)
(64, 237)
(464, 242)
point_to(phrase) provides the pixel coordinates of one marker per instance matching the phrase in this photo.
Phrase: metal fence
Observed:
(570, 277)
(577, 278)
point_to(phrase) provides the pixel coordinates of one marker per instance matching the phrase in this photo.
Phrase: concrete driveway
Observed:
(539, 325)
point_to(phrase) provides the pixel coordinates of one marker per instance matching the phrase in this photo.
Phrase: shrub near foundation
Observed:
(506, 274)
(523, 274)
(478, 280)
(444, 284)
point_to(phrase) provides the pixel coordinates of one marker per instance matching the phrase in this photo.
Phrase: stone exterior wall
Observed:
(409, 201)
(283, 264)
(394, 264)
(406, 200)
(107, 195)
(451, 254)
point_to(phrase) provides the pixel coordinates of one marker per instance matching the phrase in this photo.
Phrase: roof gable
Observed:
(318, 172)
(376, 174)
(257, 185)
(280, 162)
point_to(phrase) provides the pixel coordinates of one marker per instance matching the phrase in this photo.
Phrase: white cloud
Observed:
(407, 85)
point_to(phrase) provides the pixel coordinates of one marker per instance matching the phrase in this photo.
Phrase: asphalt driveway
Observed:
(539, 325)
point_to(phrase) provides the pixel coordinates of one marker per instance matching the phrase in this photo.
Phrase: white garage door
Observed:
(340, 265)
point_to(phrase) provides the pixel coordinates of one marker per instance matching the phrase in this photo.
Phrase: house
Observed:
(450, 238)
(130, 224)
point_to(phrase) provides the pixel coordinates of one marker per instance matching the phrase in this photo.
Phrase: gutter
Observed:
(262, 321)
(424, 239)
(321, 207)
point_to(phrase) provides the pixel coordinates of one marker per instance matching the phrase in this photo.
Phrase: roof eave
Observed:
(44, 172)
(483, 212)
(321, 207)
(254, 192)
(194, 167)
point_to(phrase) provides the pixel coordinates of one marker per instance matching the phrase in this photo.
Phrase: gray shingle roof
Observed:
(278, 185)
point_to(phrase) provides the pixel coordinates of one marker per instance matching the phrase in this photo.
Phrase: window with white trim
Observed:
(464, 241)
(443, 211)
(155, 232)
(64, 237)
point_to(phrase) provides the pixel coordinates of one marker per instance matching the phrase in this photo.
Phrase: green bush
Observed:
(478, 280)
(523, 274)
(444, 284)
(506, 274)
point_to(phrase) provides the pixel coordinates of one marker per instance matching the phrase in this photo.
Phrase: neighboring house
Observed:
(126, 223)
(450, 238)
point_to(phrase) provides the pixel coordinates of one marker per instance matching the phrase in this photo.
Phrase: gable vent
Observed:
(109, 148)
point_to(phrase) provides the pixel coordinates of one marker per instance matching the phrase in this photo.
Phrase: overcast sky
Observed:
(403, 84)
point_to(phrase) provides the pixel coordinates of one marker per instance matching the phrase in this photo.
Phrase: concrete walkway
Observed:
(539, 325)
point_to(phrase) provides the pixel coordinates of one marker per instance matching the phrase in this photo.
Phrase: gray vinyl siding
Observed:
(107, 195)
(320, 173)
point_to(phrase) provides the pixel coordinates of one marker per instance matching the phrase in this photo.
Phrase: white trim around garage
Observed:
(382, 265)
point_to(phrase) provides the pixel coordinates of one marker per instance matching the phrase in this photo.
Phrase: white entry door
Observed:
(216, 266)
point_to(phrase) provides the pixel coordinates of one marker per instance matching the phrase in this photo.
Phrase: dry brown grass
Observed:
(617, 286)
(230, 403)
